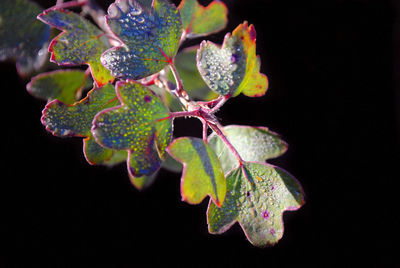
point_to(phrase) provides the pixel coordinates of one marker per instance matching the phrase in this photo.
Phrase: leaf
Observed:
(171, 164)
(117, 158)
(202, 173)
(80, 42)
(143, 182)
(255, 144)
(140, 125)
(76, 120)
(257, 205)
(63, 85)
(199, 21)
(150, 38)
(234, 68)
(185, 62)
(22, 37)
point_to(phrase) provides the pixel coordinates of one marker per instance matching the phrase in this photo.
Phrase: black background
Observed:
(334, 75)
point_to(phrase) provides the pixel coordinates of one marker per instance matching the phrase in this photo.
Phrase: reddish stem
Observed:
(205, 127)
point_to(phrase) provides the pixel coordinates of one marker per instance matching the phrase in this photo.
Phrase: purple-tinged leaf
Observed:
(150, 38)
(202, 173)
(22, 37)
(234, 68)
(140, 125)
(199, 21)
(254, 144)
(63, 85)
(76, 120)
(79, 43)
(257, 201)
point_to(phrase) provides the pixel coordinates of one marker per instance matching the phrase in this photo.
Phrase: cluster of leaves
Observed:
(141, 83)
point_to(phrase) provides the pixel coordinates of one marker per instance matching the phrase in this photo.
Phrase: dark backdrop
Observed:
(333, 68)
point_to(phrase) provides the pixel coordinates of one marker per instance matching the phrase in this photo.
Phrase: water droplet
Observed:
(136, 9)
(140, 19)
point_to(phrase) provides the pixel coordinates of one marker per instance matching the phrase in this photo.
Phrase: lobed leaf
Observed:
(22, 37)
(234, 68)
(80, 42)
(257, 203)
(150, 38)
(64, 85)
(202, 173)
(254, 144)
(140, 125)
(198, 20)
(76, 120)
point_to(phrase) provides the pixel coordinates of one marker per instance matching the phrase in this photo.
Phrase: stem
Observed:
(194, 113)
(205, 127)
(221, 101)
(179, 92)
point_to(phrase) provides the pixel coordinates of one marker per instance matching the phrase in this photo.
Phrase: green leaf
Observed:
(76, 120)
(171, 164)
(150, 38)
(255, 144)
(199, 21)
(185, 62)
(202, 173)
(117, 158)
(23, 38)
(257, 204)
(234, 68)
(143, 182)
(64, 85)
(140, 125)
(81, 42)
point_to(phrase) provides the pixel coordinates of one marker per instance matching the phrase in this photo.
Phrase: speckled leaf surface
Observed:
(257, 205)
(202, 173)
(63, 85)
(198, 20)
(76, 120)
(81, 42)
(255, 144)
(140, 125)
(234, 68)
(150, 38)
(22, 36)
(185, 62)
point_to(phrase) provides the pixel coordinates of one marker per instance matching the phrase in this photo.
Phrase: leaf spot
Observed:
(147, 99)
(265, 214)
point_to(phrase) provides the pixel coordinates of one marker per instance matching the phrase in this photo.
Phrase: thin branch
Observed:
(205, 128)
